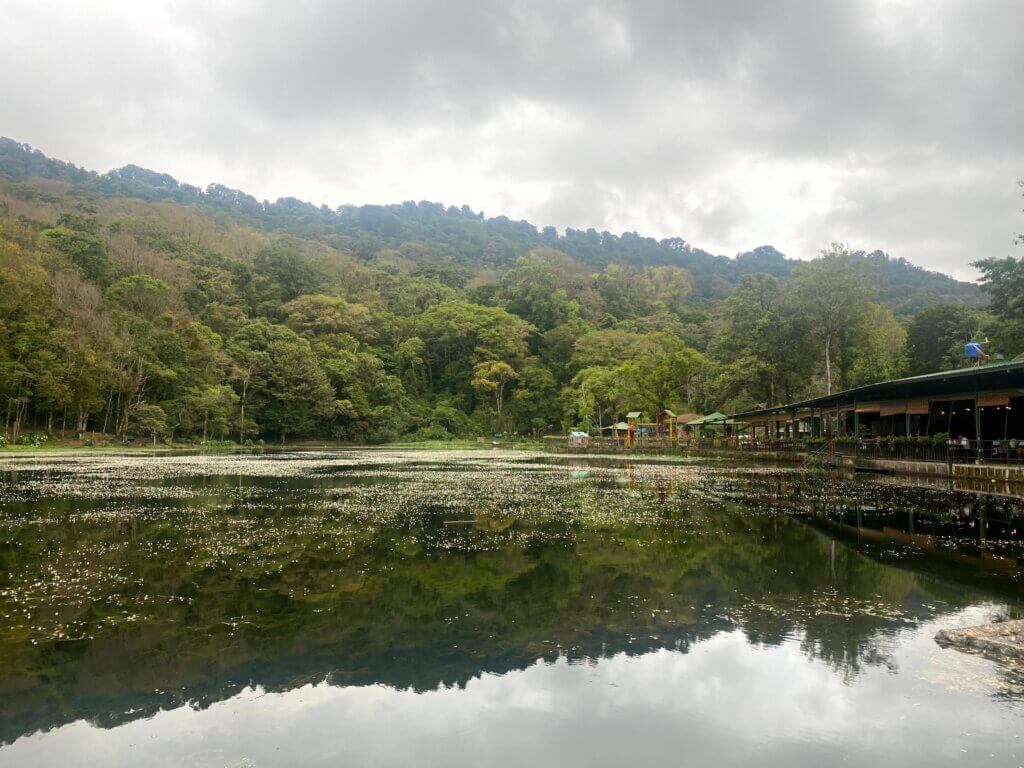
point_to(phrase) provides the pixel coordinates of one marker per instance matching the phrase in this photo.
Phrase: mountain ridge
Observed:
(468, 239)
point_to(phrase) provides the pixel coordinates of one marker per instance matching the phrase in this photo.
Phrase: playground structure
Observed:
(658, 433)
(667, 430)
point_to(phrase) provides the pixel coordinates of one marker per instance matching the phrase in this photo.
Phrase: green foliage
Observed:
(493, 376)
(832, 296)
(762, 347)
(280, 274)
(85, 251)
(533, 290)
(128, 292)
(139, 297)
(149, 419)
(457, 238)
(1003, 281)
(877, 348)
(936, 336)
(432, 432)
(293, 392)
(458, 335)
(649, 372)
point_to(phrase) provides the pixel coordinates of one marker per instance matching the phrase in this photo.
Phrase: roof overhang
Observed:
(1006, 378)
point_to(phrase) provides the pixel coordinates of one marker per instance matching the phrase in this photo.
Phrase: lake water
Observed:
(484, 608)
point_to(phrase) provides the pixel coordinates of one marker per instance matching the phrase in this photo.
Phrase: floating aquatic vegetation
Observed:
(348, 554)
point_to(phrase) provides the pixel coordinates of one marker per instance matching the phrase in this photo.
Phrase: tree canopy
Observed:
(137, 306)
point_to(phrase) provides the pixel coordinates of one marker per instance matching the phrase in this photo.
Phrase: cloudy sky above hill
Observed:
(890, 124)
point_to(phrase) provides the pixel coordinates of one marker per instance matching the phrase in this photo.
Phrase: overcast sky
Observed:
(889, 124)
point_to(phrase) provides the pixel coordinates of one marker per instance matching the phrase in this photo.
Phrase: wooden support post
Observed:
(907, 421)
(856, 430)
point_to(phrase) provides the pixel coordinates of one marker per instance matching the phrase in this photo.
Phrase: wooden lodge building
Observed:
(983, 405)
(966, 423)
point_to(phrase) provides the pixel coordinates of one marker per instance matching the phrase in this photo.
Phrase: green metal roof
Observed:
(634, 414)
(995, 376)
(716, 417)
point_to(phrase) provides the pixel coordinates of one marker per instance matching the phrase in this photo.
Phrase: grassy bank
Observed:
(108, 446)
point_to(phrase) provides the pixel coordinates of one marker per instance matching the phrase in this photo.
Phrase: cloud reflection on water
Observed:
(725, 702)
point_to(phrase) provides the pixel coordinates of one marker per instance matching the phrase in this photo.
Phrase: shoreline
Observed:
(57, 450)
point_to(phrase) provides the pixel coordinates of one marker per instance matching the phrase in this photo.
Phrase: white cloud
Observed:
(724, 703)
(892, 124)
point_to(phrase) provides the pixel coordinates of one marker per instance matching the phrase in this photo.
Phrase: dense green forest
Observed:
(133, 305)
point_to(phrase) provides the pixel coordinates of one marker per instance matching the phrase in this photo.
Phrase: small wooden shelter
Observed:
(578, 439)
(681, 430)
(712, 425)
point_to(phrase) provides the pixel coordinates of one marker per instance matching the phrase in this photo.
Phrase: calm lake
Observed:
(478, 608)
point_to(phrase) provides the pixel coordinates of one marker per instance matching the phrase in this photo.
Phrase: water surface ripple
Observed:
(394, 608)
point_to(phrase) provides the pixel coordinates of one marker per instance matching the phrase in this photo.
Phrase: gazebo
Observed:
(712, 425)
(619, 430)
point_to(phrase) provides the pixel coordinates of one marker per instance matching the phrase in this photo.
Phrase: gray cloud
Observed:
(892, 124)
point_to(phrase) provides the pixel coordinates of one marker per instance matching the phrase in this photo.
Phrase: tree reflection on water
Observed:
(126, 589)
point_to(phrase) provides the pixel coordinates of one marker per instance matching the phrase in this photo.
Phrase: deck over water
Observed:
(992, 472)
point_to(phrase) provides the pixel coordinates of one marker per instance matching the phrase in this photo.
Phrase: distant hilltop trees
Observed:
(469, 238)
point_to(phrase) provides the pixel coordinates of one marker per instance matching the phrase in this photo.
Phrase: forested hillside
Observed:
(135, 305)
